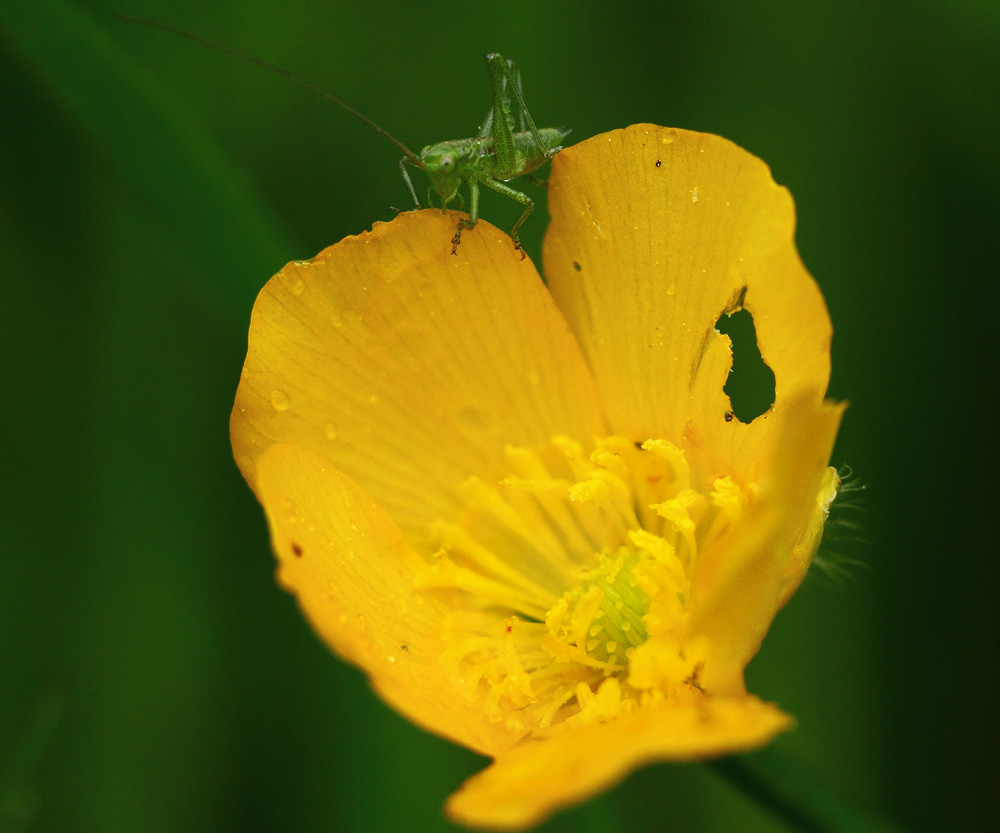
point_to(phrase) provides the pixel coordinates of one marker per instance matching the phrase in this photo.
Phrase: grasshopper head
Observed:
(442, 164)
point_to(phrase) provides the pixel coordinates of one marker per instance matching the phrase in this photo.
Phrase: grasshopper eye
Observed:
(447, 163)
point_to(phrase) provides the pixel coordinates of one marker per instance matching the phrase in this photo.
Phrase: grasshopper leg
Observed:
(507, 85)
(473, 215)
(409, 182)
(517, 196)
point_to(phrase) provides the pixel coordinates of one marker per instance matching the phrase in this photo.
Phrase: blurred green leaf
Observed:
(18, 774)
(156, 147)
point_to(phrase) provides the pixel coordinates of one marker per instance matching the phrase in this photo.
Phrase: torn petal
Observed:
(655, 233)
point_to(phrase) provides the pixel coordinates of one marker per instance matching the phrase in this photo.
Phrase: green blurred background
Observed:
(153, 677)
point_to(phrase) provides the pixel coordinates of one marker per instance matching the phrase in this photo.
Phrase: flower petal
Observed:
(737, 589)
(410, 368)
(576, 764)
(655, 233)
(352, 572)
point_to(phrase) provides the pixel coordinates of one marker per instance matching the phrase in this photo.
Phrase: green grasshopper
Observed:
(496, 156)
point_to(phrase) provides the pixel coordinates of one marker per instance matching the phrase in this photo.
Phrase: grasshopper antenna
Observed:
(411, 157)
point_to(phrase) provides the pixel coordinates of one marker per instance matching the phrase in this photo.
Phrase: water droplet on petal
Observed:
(280, 400)
(331, 431)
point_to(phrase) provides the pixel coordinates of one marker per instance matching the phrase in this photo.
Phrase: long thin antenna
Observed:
(284, 73)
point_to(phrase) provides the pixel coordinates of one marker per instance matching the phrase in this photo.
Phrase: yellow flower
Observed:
(527, 512)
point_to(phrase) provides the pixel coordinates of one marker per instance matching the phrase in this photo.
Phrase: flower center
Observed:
(569, 579)
(609, 597)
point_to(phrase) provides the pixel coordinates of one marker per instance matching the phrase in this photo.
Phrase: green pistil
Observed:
(618, 624)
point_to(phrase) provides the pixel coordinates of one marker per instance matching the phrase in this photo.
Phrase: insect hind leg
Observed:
(510, 81)
(503, 71)
(514, 74)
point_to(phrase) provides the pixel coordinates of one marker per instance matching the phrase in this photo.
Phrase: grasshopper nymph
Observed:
(496, 156)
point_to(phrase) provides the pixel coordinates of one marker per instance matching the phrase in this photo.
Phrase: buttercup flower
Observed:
(527, 511)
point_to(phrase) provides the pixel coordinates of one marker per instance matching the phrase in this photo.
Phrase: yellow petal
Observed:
(352, 571)
(410, 368)
(805, 549)
(537, 777)
(655, 233)
(737, 589)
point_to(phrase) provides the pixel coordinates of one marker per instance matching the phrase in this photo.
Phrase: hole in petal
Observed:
(750, 386)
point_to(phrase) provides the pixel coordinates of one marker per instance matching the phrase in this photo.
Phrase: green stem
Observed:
(795, 794)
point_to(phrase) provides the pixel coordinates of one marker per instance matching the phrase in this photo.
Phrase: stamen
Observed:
(679, 511)
(457, 540)
(444, 573)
